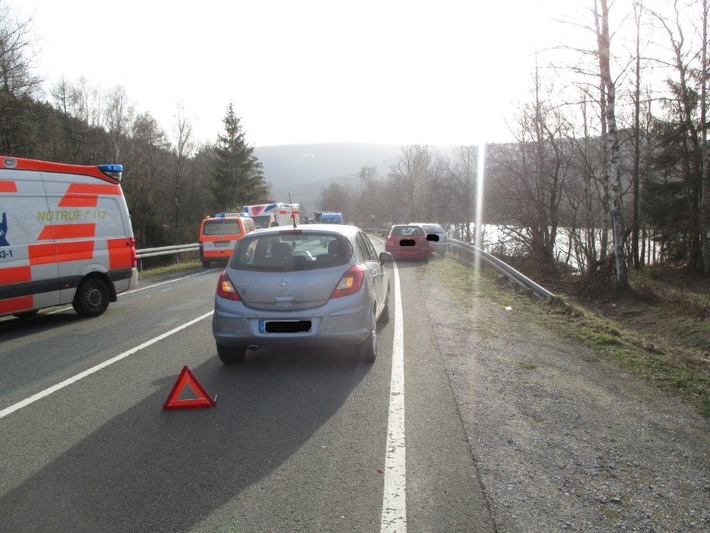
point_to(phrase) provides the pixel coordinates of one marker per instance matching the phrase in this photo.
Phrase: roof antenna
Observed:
(290, 205)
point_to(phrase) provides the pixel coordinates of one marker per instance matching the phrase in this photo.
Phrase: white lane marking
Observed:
(54, 388)
(126, 293)
(165, 282)
(394, 504)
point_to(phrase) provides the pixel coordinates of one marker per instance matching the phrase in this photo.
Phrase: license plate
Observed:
(221, 244)
(284, 326)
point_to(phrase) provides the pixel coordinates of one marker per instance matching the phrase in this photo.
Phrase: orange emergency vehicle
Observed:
(65, 237)
(219, 234)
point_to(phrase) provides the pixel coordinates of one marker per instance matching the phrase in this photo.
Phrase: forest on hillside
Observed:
(613, 162)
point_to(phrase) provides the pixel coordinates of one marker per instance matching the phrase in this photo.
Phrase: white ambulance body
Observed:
(262, 214)
(65, 237)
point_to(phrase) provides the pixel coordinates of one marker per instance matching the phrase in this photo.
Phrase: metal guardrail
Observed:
(513, 275)
(164, 250)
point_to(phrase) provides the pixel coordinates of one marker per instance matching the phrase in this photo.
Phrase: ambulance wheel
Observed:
(91, 298)
(231, 355)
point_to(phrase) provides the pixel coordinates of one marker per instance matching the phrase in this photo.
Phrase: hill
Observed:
(304, 169)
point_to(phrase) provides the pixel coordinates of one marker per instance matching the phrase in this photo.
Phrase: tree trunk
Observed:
(614, 176)
(705, 175)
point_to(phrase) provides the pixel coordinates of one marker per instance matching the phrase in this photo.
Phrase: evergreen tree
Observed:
(237, 176)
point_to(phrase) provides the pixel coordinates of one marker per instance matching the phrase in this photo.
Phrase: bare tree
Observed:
(17, 84)
(705, 174)
(117, 119)
(638, 10)
(338, 198)
(586, 195)
(183, 150)
(371, 207)
(459, 174)
(531, 174)
(612, 141)
(415, 176)
(147, 179)
(16, 78)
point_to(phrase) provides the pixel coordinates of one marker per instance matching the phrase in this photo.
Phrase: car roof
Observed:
(425, 224)
(430, 227)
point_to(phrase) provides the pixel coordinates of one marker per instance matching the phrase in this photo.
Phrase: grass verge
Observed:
(169, 269)
(627, 332)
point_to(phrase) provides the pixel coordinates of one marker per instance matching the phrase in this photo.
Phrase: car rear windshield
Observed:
(407, 230)
(221, 227)
(290, 250)
(433, 228)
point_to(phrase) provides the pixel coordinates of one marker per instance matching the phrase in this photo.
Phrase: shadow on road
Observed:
(154, 470)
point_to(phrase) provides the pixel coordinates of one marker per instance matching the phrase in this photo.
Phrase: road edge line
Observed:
(394, 500)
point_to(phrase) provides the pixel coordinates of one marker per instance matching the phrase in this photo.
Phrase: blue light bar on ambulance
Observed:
(114, 171)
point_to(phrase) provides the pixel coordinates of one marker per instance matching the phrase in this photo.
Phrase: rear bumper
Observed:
(234, 324)
(222, 253)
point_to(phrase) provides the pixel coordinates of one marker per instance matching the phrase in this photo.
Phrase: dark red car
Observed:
(408, 242)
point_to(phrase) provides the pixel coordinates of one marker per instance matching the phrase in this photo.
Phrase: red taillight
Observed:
(134, 255)
(225, 289)
(350, 283)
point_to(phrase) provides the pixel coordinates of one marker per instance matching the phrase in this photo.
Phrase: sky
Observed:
(437, 72)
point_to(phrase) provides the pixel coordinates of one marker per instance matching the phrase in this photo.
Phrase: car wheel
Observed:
(368, 348)
(91, 298)
(231, 355)
(206, 264)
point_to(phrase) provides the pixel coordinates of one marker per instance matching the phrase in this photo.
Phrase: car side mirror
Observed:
(386, 257)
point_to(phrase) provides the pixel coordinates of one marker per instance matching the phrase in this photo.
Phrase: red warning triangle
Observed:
(187, 378)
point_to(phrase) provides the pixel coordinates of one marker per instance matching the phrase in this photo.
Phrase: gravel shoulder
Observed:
(563, 440)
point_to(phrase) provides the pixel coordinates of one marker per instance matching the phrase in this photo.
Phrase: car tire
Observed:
(91, 298)
(368, 348)
(206, 264)
(231, 355)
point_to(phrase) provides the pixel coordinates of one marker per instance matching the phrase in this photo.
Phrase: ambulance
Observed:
(65, 237)
(273, 214)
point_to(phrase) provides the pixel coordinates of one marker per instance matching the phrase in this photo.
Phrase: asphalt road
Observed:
(297, 440)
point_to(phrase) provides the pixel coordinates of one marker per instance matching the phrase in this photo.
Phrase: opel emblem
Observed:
(284, 283)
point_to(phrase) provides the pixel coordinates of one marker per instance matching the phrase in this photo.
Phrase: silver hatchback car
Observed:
(315, 285)
(436, 236)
